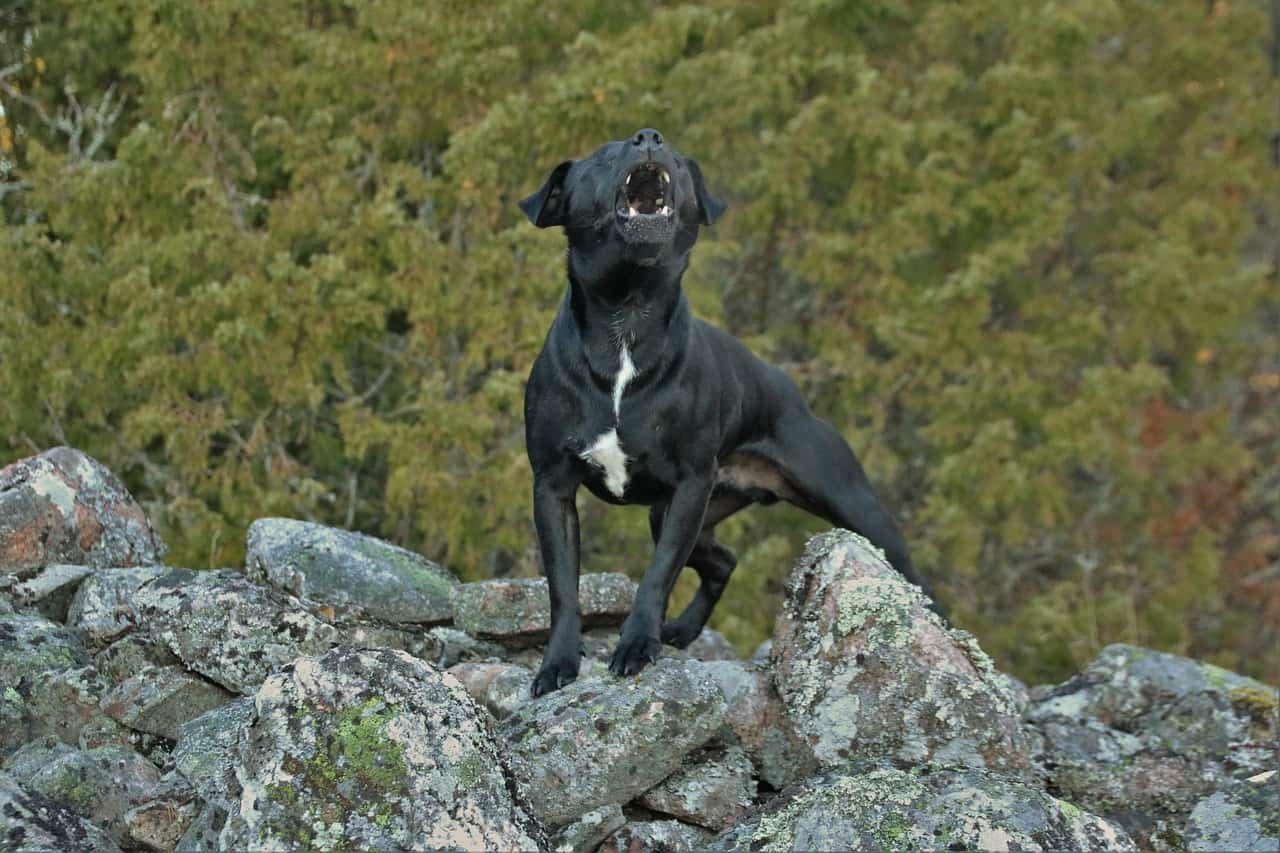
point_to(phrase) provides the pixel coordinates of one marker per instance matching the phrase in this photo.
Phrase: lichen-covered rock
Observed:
(64, 507)
(30, 822)
(205, 831)
(657, 836)
(101, 784)
(103, 606)
(372, 749)
(205, 754)
(586, 833)
(605, 740)
(520, 610)
(498, 687)
(130, 655)
(228, 629)
(884, 808)
(160, 822)
(31, 645)
(454, 646)
(50, 590)
(1244, 816)
(867, 671)
(712, 789)
(756, 719)
(159, 699)
(711, 645)
(349, 571)
(1143, 736)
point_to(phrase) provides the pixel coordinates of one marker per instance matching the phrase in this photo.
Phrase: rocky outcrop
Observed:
(63, 507)
(313, 702)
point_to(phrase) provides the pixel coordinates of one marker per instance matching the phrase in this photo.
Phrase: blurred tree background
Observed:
(264, 258)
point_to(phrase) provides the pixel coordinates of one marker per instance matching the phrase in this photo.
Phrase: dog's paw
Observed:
(680, 634)
(634, 654)
(553, 675)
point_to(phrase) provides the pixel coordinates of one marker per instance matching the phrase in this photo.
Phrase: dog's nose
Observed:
(647, 138)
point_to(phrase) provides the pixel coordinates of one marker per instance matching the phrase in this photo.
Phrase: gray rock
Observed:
(1143, 736)
(866, 671)
(657, 836)
(884, 808)
(373, 749)
(454, 646)
(761, 655)
(712, 789)
(757, 721)
(227, 628)
(32, 645)
(205, 754)
(100, 784)
(103, 605)
(1245, 816)
(160, 822)
(202, 836)
(159, 699)
(586, 833)
(349, 571)
(520, 610)
(132, 654)
(711, 645)
(602, 740)
(64, 507)
(50, 591)
(30, 822)
(498, 687)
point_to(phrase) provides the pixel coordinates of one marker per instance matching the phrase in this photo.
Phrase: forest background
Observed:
(265, 259)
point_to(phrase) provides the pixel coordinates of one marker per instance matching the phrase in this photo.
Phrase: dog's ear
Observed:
(710, 207)
(547, 207)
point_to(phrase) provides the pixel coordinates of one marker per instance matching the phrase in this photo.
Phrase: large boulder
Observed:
(376, 750)
(884, 808)
(603, 740)
(1244, 816)
(867, 671)
(103, 606)
(519, 611)
(756, 720)
(349, 571)
(33, 823)
(64, 507)
(1143, 736)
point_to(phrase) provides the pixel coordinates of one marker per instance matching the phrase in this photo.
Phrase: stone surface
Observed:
(756, 719)
(371, 749)
(103, 605)
(205, 753)
(159, 699)
(712, 789)
(520, 610)
(1143, 736)
(160, 822)
(130, 655)
(887, 809)
(603, 740)
(586, 833)
(349, 571)
(202, 836)
(32, 823)
(867, 671)
(64, 507)
(50, 591)
(711, 645)
(500, 688)
(1245, 816)
(100, 784)
(657, 836)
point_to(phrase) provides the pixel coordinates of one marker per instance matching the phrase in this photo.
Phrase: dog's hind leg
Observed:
(713, 562)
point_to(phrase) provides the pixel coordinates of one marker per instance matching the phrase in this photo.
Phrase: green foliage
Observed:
(1004, 247)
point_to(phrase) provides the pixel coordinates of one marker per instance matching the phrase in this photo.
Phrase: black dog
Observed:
(642, 403)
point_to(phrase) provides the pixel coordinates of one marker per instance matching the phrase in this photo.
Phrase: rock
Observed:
(103, 605)
(1245, 816)
(372, 749)
(349, 571)
(498, 687)
(712, 789)
(160, 822)
(456, 646)
(101, 784)
(32, 645)
(227, 628)
(1143, 736)
(159, 699)
(63, 507)
(131, 654)
(51, 590)
(760, 656)
(520, 610)
(757, 721)
(657, 836)
(711, 645)
(884, 808)
(205, 753)
(867, 671)
(599, 741)
(32, 823)
(586, 833)
(202, 836)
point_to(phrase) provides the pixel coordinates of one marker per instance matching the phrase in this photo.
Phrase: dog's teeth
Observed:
(632, 210)
(628, 180)
(666, 179)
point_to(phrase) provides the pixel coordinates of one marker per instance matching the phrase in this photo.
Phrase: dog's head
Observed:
(639, 197)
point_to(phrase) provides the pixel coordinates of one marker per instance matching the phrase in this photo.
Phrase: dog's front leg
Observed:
(641, 640)
(555, 515)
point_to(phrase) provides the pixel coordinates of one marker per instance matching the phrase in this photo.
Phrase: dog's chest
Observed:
(605, 451)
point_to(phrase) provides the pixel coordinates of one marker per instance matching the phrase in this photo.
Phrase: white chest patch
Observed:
(606, 452)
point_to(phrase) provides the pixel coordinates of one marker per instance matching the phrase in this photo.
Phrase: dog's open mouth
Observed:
(647, 192)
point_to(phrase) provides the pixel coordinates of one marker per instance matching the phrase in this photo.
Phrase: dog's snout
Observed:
(647, 138)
